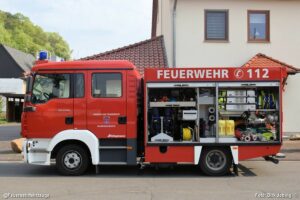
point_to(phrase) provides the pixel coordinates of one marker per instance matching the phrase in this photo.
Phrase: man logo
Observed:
(239, 73)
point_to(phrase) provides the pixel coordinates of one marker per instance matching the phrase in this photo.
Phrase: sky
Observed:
(89, 26)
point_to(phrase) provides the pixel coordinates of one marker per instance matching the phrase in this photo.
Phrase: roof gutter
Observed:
(154, 18)
(174, 33)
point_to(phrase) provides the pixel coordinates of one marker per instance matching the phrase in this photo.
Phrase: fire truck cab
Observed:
(79, 113)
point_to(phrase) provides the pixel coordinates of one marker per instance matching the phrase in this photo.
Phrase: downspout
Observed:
(174, 33)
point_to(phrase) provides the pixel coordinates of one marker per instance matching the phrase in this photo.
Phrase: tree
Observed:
(19, 32)
(4, 35)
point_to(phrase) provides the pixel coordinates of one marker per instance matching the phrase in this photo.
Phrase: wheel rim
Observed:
(215, 160)
(72, 160)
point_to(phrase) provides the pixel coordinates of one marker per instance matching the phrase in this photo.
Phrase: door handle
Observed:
(69, 120)
(122, 120)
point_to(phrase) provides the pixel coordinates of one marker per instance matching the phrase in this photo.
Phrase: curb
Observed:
(10, 124)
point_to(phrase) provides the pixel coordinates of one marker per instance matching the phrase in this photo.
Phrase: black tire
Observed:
(215, 161)
(72, 160)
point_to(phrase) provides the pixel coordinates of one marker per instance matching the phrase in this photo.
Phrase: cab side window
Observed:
(50, 86)
(106, 85)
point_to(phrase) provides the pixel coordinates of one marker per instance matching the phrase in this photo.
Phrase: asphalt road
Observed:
(256, 178)
(9, 132)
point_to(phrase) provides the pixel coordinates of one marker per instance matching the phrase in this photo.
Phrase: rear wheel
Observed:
(215, 161)
(72, 160)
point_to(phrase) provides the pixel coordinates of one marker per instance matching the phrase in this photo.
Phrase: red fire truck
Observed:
(104, 113)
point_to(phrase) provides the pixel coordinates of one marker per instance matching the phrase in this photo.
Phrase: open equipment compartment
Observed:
(172, 114)
(249, 112)
(180, 113)
(207, 113)
(229, 112)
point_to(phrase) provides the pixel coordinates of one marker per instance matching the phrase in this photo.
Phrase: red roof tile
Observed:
(261, 60)
(148, 53)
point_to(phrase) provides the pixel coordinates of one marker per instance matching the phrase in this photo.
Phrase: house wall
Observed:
(12, 85)
(164, 25)
(192, 50)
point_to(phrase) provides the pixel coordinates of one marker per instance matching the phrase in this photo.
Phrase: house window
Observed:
(216, 25)
(258, 26)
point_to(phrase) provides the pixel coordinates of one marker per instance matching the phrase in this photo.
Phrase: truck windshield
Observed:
(50, 86)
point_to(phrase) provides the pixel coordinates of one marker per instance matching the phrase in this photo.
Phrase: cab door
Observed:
(106, 104)
(80, 93)
(51, 105)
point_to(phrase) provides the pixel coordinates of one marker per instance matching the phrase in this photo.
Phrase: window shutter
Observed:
(216, 25)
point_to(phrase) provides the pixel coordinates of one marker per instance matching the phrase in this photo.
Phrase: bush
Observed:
(2, 118)
(1, 99)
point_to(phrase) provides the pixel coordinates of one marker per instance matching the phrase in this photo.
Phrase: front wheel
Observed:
(215, 161)
(72, 160)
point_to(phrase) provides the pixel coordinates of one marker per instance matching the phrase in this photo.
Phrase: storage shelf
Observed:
(267, 110)
(221, 139)
(231, 113)
(173, 104)
(239, 112)
(237, 96)
(237, 103)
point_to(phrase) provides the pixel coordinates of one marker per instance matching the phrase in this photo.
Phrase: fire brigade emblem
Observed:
(106, 119)
(239, 73)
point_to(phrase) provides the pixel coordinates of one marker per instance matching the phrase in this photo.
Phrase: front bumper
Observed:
(35, 151)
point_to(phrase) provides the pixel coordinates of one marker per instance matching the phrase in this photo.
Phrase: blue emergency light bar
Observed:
(43, 55)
